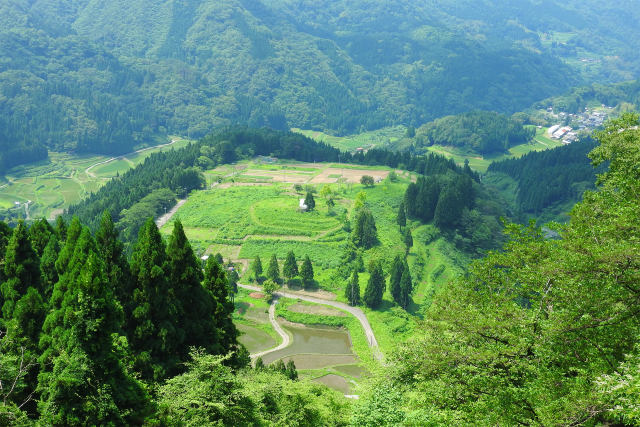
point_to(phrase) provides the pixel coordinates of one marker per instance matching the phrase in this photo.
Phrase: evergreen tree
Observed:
(291, 371)
(310, 201)
(352, 291)
(39, 233)
(290, 266)
(87, 384)
(256, 266)
(21, 270)
(406, 287)
(306, 271)
(215, 281)
(259, 365)
(449, 208)
(401, 219)
(111, 252)
(48, 266)
(364, 232)
(375, 286)
(397, 268)
(273, 271)
(219, 258)
(152, 309)
(359, 263)
(408, 239)
(61, 228)
(195, 307)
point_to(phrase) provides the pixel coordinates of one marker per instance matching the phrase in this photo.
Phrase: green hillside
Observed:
(107, 76)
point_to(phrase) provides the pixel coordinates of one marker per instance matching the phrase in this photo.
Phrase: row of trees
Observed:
(400, 285)
(86, 334)
(290, 269)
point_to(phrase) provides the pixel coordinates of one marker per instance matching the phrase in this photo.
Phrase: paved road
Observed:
(371, 338)
(286, 339)
(166, 217)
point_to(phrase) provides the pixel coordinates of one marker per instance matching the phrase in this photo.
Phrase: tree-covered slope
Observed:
(104, 76)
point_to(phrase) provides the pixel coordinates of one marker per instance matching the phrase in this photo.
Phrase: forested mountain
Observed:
(105, 76)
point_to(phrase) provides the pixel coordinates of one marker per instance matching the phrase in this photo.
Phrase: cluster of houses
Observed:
(565, 133)
(585, 121)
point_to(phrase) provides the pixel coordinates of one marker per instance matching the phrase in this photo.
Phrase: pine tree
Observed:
(352, 291)
(359, 263)
(257, 267)
(306, 271)
(194, 306)
(153, 327)
(215, 281)
(364, 232)
(291, 371)
(48, 266)
(375, 286)
(408, 239)
(290, 266)
(87, 384)
(21, 270)
(111, 252)
(310, 201)
(406, 287)
(61, 228)
(395, 277)
(273, 271)
(39, 233)
(401, 219)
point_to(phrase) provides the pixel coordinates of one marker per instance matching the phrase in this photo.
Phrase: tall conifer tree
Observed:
(306, 271)
(111, 252)
(87, 384)
(352, 291)
(290, 266)
(154, 327)
(394, 278)
(215, 281)
(273, 271)
(375, 286)
(195, 306)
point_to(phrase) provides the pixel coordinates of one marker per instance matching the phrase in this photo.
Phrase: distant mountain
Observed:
(104, 76)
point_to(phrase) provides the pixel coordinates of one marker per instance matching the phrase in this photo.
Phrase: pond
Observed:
(255, 339)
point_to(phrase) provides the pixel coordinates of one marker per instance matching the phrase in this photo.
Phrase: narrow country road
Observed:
(359, 314)
(166, 217)
(286, 339)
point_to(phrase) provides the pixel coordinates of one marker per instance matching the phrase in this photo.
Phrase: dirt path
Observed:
(166, 217)
(92, 175)
(359, 314)
(286, 339)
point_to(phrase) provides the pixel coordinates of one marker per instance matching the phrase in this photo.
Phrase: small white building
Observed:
(302, 206)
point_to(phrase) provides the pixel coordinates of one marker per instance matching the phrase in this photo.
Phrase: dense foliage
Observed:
(75, 75)
(549, 177)
(544, 332)
(481, 132)
(121, 342)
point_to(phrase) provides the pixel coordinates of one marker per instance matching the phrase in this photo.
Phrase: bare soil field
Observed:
(316, 309)
(328, 175)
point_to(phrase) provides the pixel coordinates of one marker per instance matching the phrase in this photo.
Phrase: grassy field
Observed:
(379, 138)
(63, 179)
(242, 219)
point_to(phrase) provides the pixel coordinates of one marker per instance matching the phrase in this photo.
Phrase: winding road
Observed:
(286, 339)
(355, 311)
